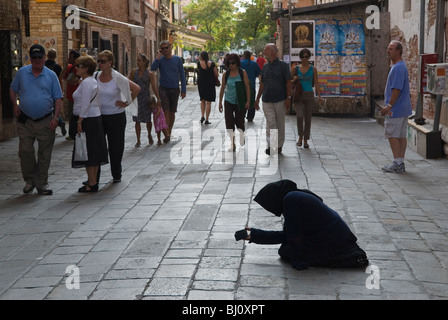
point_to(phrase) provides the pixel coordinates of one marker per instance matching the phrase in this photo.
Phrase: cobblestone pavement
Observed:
(166, 231)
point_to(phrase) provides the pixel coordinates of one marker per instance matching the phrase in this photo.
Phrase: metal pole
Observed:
(419, 108)
(440, 33)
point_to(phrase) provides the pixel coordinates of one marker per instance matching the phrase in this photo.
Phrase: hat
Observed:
(37, 51)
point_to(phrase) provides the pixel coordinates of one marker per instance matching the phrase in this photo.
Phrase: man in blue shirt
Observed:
(171, 71)
(253, 72)
(398, 107)
(40, 95)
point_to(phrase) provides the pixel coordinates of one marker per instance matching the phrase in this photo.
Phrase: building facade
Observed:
(419, 25)
(126, 27)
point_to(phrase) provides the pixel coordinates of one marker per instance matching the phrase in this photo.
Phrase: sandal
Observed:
(305, 145)
(202, 120)
(159, 143)
(299, 143)
(137, 145)
(150, 140)
(167, 139)
(84, 189)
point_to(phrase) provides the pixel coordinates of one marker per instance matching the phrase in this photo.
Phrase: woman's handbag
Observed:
(297, 91)
(81, 147)
(217, 82)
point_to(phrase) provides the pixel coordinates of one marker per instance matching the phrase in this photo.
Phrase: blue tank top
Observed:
(230, 91)
(307, 79)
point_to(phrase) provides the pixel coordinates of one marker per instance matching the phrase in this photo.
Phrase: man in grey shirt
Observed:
(275, 86)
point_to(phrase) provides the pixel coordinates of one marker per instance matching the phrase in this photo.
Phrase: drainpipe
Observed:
(419, 108)
(439, 48)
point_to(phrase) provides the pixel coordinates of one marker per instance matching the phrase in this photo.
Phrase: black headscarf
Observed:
(270, 197)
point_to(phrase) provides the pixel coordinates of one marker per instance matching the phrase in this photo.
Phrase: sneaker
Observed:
(242, 138)
(29, 187)
(395, 167)
(45, 191)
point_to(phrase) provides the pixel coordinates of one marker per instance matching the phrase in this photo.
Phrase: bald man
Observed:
(275, 86)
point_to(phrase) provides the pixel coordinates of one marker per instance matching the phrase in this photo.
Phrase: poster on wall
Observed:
(353, 57)
(328, 57)
(340, 57)
(302, 36)
(47, 43)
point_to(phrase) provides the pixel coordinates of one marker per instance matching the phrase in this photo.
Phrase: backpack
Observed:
(242, 96)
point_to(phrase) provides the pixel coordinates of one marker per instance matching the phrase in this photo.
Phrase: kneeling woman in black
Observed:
(313, 234)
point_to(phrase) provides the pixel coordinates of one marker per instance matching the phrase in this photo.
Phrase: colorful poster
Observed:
(47, 43)
(340, 57)
(352, 39)
(302, 36)
(327, 37)
(327, 57)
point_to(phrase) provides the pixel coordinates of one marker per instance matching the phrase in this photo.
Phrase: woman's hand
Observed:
(121, 104)
(248, 236)
(79, 128)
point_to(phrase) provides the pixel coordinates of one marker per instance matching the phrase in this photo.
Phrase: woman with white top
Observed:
(87, 111)
(116, 92)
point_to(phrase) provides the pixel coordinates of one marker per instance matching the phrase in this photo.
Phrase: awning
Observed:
(185, 36)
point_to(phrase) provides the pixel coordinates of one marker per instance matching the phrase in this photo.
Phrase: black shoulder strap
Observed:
(241, 72)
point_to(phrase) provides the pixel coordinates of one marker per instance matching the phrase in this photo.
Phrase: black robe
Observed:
(313, 234)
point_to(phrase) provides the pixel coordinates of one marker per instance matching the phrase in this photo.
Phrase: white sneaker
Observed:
(395, 167)
(242, 138)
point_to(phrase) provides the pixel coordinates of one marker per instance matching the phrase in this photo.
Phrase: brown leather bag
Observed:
(297, 91)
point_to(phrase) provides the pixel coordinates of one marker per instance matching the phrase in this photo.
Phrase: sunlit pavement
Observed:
(167, 230)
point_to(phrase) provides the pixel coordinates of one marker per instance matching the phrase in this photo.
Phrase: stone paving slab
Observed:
(166, 231)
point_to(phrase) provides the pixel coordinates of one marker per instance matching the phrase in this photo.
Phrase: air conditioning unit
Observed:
(437, 78)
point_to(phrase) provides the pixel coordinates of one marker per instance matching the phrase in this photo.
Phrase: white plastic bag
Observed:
(81, 147)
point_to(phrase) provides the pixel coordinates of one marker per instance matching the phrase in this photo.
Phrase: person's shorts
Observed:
(395, 127)
(170, 98)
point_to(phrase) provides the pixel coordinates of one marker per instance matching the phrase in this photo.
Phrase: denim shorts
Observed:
(395, 127)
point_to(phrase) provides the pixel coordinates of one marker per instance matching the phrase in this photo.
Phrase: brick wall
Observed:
(10, 14)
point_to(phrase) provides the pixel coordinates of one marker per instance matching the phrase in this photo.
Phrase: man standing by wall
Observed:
(40, 96)
(275, 86)
(171, 70)
(398, 107)
(253, 72)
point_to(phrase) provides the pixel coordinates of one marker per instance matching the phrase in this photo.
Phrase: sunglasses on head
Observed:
(102, 61)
